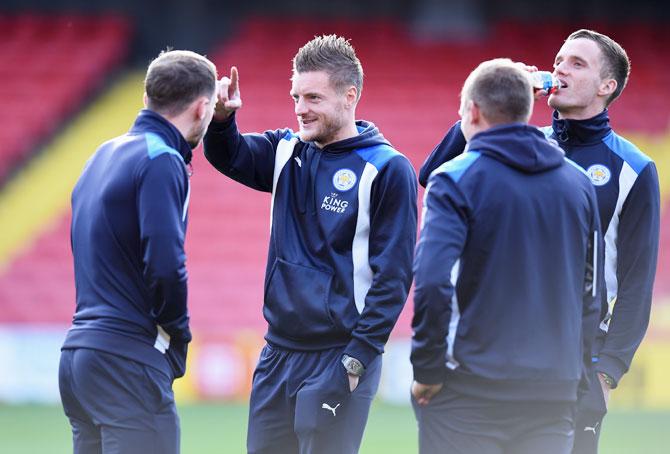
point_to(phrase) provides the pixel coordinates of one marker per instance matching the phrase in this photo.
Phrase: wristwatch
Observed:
(352, 365)
(609, 381)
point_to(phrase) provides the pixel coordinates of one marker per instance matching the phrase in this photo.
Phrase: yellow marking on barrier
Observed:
(645, 385)
(185, 388)
(40, 194)
(657, 148)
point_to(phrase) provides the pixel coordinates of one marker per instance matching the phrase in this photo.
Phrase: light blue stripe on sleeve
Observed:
(457, 166)
(576, 166)
(626, 151)
(156, 146)
(547, 131)
(289, 135)
(377, 155)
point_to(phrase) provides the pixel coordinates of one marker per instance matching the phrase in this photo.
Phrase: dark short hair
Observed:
(615, 60)
(176, 78)
(501, 90)
(335, 56)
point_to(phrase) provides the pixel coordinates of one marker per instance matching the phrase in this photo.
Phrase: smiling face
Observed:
(324, 113)
(584, 90)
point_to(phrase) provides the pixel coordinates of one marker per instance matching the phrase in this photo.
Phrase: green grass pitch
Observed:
(221, 428)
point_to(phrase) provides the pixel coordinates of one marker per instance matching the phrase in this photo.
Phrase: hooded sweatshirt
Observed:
(506, 271)
(627, 188)
(343, 229)
(129, 211)
(626, 183)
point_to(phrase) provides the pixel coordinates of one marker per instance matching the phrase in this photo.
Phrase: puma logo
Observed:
(592, 429)
(325, 406)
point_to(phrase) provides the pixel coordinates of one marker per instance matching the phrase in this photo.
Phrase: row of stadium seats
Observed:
(411, 92)
(401, 76)
(48, 67)
(389, 49)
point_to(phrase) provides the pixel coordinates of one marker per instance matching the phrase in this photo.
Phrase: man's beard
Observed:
(326, 133)
(195, 139)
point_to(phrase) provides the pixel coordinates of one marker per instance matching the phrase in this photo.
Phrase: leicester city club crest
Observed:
(599, 174)
(344, 179)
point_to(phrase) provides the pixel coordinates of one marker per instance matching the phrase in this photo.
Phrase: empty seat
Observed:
(411, 91)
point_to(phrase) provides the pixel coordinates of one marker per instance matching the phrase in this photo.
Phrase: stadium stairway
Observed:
(36, 276)
(49, 65)
(411, 93)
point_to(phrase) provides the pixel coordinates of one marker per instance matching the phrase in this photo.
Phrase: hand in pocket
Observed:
(606, 390)
(353, 382)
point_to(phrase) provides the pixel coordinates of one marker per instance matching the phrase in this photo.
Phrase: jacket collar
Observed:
(150, 121)
(581, 132)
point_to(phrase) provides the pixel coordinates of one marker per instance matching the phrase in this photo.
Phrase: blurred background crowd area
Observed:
(71, 77)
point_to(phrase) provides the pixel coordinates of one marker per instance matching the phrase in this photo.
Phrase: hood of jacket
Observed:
(518, 145)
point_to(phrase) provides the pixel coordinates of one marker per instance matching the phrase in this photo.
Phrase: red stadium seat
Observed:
(52, 63)
(411, 91)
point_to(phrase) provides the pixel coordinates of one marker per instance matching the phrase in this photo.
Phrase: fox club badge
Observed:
(599, 174)
(344, 179)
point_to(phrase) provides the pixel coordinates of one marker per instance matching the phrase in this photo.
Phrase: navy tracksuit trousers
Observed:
(116, 405)
(591, 410)
(301, 403)
(458, 424)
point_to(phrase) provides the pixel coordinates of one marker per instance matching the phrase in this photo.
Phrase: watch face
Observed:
(607, 379)
(353, 366)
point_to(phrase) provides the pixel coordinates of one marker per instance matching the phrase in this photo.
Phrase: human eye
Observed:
(578, 63)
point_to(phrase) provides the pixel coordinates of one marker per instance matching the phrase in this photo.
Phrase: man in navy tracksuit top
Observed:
(130, 331)
(506, 274)
(593, 70)
(339, 264)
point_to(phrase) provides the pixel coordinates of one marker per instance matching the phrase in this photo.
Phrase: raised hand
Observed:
(229, 99)
(537, 94)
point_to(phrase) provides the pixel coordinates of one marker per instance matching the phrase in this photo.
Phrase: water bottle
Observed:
(544, 80)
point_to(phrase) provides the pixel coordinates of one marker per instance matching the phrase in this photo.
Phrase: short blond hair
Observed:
(333, 55)
(501, 90)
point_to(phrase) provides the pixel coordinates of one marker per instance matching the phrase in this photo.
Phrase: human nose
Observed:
(300, 108)
(560, 68)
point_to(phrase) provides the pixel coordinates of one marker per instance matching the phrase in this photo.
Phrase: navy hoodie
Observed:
(129, 211)
(505, 288)
(342, 238)
(626, 183)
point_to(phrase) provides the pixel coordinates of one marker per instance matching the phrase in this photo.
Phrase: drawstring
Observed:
(304, 178)
(310, 166)
(313, 168)
(561, 132)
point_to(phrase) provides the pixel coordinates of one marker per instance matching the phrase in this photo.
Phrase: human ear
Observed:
(201, 107)
(352, 96)
(475, 113)
(607, 87)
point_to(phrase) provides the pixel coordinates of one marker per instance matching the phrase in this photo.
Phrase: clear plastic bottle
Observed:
(544, 80)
